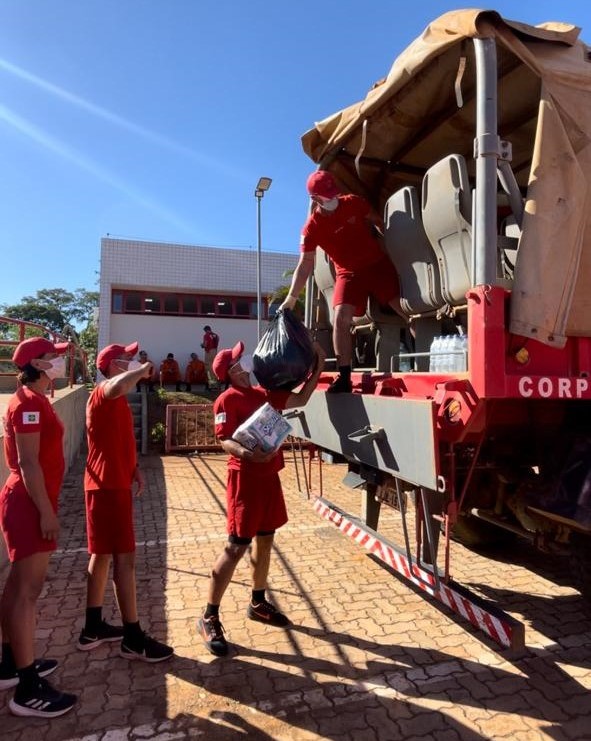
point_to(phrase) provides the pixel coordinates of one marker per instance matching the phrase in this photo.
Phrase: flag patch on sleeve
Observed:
(31, 418)
(220, 418)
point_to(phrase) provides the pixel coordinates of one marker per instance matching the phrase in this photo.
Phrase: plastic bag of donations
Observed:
(265, 428)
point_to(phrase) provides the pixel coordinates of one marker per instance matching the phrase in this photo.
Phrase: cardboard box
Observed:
(265, 428)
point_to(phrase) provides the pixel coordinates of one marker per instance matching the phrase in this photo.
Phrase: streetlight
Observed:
(263, 185)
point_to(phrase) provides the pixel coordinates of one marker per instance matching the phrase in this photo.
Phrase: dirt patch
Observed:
(189, 427)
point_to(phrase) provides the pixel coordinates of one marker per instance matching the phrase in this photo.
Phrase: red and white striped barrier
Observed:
(501, 627)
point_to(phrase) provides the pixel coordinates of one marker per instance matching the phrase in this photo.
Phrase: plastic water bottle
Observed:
(457, 353)
(405, 364)
(434, 357)
(464, 349)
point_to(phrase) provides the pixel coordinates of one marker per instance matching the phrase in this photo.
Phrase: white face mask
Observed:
(329, 205)
(247, 363)
(134, 365)
(57, 368)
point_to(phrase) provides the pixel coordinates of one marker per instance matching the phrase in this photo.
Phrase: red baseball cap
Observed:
(35, 347)
(322, 183)
(225, 359)
(111, 352)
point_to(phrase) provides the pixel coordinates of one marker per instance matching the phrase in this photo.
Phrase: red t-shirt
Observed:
(111, 460)
(344, 234)
(30, 412)
(170, 370)
(234, 407)
(210, 341)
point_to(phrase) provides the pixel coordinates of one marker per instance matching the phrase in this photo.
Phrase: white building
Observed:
(164, 294)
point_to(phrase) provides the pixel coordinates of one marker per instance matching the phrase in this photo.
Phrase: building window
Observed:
(224, 307)
(208, 306)
(149, 302)
(171, 304)
(190, 305)
(132, 303)
(242, 307)
(152, 303)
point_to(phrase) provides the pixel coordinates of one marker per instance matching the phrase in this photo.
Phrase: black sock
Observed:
(132, 634)
(258, 596)
(28, 679)
(345, 371)
(8, 656)
(94, 618)
(211, 611)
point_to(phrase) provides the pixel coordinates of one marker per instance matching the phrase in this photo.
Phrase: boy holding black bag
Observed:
(254, 498)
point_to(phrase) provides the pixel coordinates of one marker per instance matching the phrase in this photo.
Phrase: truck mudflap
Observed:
(484, 615)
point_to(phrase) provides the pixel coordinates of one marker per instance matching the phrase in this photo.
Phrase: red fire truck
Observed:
(476, 147)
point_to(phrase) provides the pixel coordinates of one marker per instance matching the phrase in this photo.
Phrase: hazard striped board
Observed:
(483, 614)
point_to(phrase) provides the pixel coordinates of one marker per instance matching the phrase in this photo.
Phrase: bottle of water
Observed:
(405, 364)
(464, 349)
(457, 353)
(434, 357)
(448, 358)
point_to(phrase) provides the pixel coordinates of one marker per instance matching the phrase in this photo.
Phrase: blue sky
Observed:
(154, 119)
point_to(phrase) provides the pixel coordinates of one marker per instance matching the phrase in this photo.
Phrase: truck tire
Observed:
(580, 560)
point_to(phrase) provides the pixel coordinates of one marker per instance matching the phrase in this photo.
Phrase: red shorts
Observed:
(255, 504)
(379, 280)
(109, 521)
(19, 520)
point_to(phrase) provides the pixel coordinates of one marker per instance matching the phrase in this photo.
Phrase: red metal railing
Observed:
(22, 330)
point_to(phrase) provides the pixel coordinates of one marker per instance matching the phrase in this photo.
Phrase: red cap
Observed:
(111, 352)
(35, 347)
(322, 183)
(225, 359)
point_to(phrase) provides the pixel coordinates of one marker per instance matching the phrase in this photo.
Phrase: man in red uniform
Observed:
(195, 373)
(345, 226)
(210, 344)
(254, 499)
(170, 372)
(111, 473)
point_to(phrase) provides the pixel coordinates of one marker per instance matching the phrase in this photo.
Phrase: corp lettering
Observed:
(557, 388)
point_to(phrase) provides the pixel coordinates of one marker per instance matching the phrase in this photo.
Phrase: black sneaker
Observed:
(341, 385)
(42, 702)
(212, 632)
(265, 612)
(105, 633)
(150, 650)
(9, 678)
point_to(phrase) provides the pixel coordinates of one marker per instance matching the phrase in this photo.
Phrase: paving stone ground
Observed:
(366, 658)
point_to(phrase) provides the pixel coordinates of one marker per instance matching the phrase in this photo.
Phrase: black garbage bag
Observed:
(285, 354)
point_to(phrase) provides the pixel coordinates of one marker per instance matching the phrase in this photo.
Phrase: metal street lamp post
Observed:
(263, 185)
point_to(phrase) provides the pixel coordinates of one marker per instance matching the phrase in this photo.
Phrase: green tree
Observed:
(280, 294)
(55, 308)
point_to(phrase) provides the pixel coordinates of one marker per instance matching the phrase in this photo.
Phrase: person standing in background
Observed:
(210, 344)
(33, 449)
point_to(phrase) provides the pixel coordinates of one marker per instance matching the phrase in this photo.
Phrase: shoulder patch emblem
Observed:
(31, 418)
(220, 418)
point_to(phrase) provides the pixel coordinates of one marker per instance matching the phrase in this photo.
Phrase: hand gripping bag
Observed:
(285, 354)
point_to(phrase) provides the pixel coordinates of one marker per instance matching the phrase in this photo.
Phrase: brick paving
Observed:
(367, 657)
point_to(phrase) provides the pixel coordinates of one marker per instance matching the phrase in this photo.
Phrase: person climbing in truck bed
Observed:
(347, 228)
